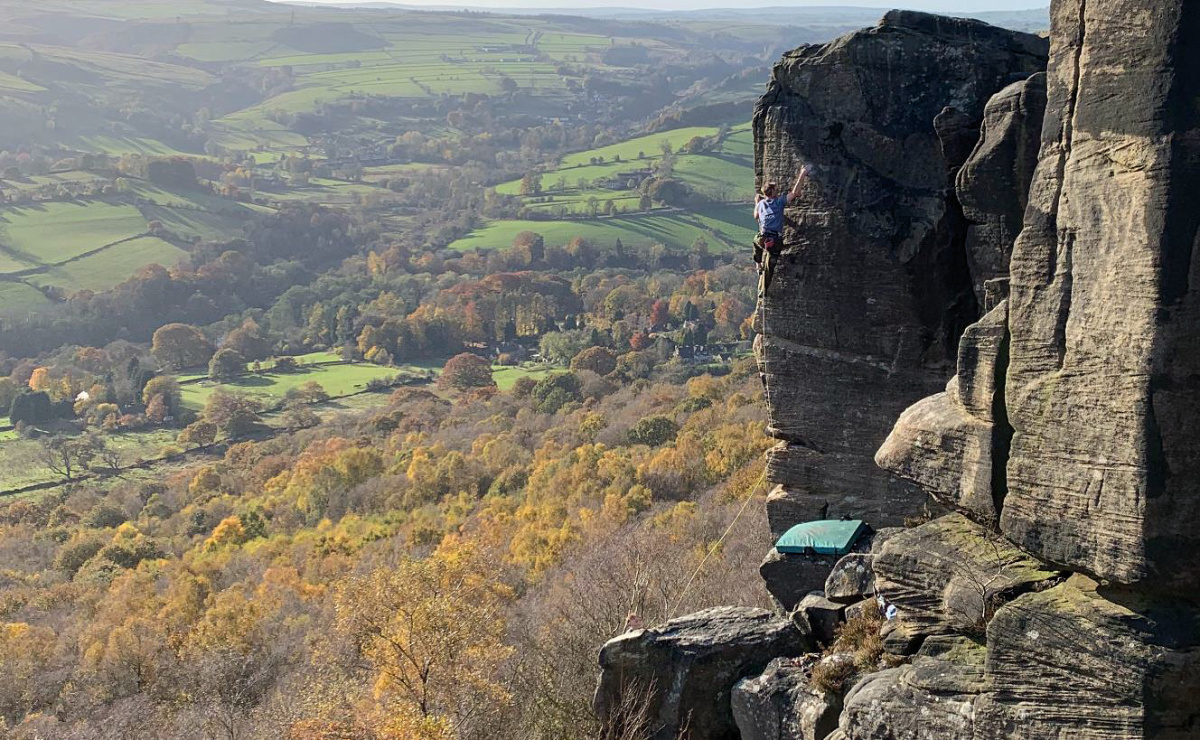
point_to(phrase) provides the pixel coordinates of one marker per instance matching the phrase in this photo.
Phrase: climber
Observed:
(768, 211)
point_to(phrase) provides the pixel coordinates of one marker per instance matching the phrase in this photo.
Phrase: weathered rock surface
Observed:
(933, 698)
(1075, 662)
(946, 577)
(789, 578)
(871, 296)
(1072, 428)
(1105, 315)
(686, 669)
(779, 705)
(993, 185)
(852, 579)
(951, 444)
(820, 617)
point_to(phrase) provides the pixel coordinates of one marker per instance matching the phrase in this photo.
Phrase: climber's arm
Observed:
(800, 178)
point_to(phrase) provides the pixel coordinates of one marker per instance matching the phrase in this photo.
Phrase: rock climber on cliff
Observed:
(768, 211)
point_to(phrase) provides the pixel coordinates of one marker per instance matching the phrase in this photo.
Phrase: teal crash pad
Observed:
(829, 537)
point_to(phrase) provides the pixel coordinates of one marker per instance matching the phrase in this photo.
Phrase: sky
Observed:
(960, 6)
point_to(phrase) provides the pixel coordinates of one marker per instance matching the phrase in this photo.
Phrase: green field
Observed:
(723, 228)
(337, 380)
(111, 267)
(95, 244)
(16, 296)
(51, 233)
(506, 377)
(68, 179)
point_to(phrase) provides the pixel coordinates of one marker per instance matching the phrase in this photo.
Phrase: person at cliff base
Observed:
(769, 209)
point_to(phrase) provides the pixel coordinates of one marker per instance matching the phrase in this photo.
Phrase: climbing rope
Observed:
(716, 545)
(762, 479)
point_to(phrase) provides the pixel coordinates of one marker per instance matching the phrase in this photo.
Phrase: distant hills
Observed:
(1037, 19)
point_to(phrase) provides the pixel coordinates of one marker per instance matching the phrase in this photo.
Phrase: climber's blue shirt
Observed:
(769, 213)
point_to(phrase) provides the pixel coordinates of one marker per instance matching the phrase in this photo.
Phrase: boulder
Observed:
(993, 184)
(955, 444)
(880, 537)
(931, 698)
(819, 617)
(780, 705)
(1104, 310)
(948, 576)
(789, 578)
(852, 579)
(1081, 662)
(874, 288)
(682, 673)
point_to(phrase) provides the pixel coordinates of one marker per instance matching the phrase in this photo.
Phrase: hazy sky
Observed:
(961, 6)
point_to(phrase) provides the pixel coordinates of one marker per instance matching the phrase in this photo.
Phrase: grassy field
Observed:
(18, 297)
(111, 267)
(723, 228)
(51, 233)
(269, 387)
(723, 175)
(506, 377)
(95, 244)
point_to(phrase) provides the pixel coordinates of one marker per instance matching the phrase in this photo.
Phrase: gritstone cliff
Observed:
(876, 283)
(989, 288)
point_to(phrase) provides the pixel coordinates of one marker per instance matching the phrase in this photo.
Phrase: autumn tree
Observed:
(467, 372)
(599, 360)
(431, 633)
(307, 393)
(226, 365)
(200, 433)
(531, 184)
(248, 340)
(233, 414)
(660, 314)
(166, 388)
(67, 456)
(26, 652)
(180, 345)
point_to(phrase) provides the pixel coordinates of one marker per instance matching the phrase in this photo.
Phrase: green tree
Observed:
(531, 184)
(653, 431)
(226, 365)
(555, 391)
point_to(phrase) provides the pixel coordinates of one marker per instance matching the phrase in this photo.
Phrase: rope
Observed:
(762, 310)
(745, 505)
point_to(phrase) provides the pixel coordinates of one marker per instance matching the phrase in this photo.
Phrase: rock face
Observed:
(947, 443)
(874, 288)
(1079, 442)
(819, 617)
(681, 674)
(947, 576)
(789, 578)
(779, 705)
(1103, 665)
(1105, 317)
(993, 185)
(931, 698)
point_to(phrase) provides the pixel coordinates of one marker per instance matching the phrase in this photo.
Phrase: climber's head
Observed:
(770, 189)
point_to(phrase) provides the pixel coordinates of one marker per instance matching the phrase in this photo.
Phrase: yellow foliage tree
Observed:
(431, 631)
